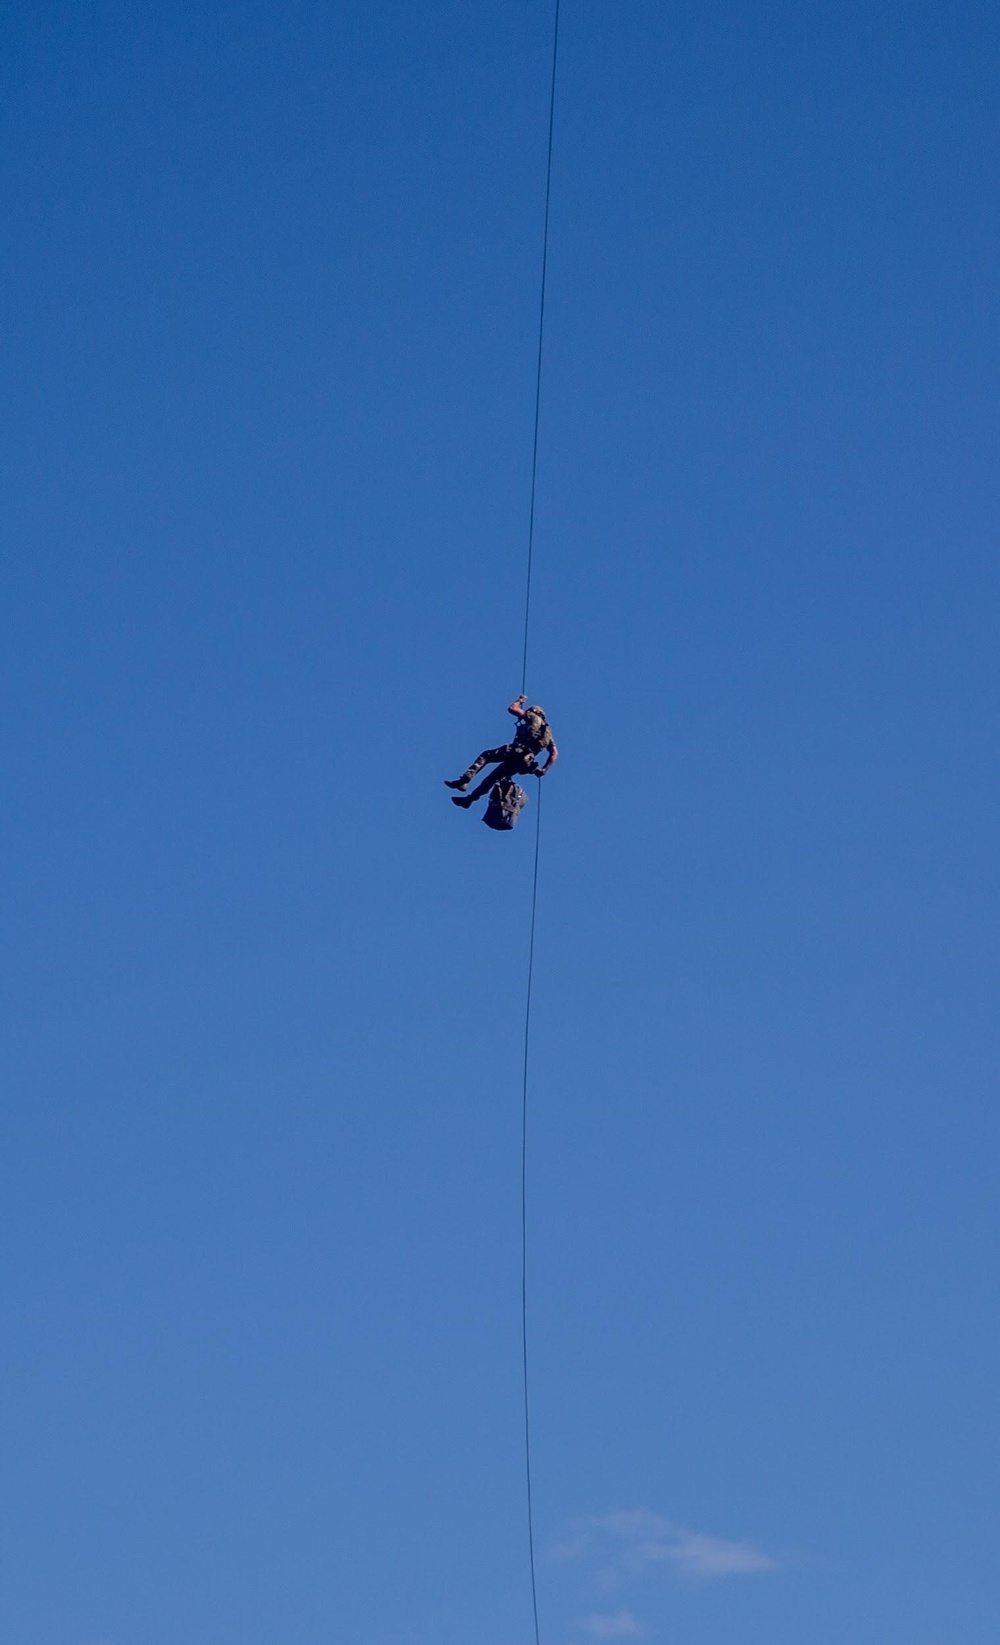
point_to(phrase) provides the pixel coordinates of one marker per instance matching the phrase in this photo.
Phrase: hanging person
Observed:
(532, 738)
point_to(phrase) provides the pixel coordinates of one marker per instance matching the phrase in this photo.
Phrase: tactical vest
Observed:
(532, 731)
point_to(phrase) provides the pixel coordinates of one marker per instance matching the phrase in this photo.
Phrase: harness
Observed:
(532, 733)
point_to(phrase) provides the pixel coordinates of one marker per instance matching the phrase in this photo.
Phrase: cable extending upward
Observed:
(541, 334)
(538, 839)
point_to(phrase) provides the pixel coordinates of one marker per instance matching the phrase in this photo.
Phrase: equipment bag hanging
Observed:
(507, 801)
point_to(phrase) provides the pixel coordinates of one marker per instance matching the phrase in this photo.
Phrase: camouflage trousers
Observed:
(510, 761)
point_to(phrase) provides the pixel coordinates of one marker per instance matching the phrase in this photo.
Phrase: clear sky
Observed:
(270, 278)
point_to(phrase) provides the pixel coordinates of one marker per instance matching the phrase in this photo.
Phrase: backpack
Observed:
(506, 802)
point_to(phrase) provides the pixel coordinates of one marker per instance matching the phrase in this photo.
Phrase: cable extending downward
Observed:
(524, 1211)
(538, 838)
(541, 333)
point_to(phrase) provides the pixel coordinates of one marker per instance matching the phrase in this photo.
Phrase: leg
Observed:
(513, 764)
(489, 756)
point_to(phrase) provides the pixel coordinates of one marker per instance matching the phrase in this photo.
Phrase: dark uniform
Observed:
(532, 738)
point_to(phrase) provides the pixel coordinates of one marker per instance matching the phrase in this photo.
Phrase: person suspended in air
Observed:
(532, 738)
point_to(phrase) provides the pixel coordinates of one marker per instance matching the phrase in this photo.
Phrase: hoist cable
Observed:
(541, 333)
(538, 837)
(524, 1213)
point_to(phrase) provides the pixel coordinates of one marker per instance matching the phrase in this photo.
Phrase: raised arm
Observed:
(517, 706)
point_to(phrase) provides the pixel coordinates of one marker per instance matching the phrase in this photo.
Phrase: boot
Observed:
(464, 800)
(461, 783)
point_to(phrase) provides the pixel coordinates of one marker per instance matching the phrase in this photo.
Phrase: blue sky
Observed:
(270, 280)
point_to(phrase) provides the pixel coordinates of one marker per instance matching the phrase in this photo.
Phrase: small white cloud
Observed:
(628, 1544)
(710, 1556)
(619, 1626)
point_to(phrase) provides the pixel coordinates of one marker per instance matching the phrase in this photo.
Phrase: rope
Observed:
(541, 332)
(538, 839)
(524, 1212)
